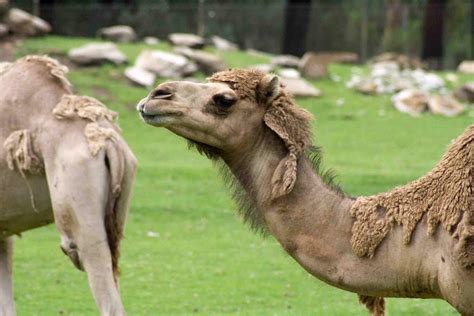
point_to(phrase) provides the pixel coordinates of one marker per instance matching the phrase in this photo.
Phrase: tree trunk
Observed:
(392, 23)
(46, 11)
(433, 33)
(296, 26)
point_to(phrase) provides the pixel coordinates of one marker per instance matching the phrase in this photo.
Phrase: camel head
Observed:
(231, 114)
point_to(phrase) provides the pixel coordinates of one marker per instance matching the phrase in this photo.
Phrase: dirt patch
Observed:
(102, 93)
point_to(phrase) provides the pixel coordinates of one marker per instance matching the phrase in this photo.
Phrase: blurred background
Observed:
(438, 31)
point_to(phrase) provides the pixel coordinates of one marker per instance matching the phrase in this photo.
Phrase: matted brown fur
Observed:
(375, 305)
(444, 196)
(22, 157)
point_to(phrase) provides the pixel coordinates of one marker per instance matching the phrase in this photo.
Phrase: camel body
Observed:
(48, 174)
(245, 120)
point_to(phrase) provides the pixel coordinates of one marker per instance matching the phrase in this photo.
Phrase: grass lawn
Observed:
(203, 260)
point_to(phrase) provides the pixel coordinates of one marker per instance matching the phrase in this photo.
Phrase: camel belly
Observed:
(17, 213)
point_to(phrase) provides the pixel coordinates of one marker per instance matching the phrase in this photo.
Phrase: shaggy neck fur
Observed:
(305, 211)
(444, 196)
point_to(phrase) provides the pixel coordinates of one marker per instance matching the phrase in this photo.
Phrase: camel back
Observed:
(444, 196)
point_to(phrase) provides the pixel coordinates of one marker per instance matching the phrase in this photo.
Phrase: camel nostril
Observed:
(141, 105)
(161, 93)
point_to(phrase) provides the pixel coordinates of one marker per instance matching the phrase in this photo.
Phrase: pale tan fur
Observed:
(246, 120)
(66, 153)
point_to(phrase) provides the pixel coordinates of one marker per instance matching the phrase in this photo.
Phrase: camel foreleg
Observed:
(7, 304)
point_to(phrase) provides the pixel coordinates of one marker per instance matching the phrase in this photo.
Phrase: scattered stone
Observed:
(387, 78)
(445, 105)
(150, 40)
(3, 30)
(467, 67)
(186, 40)
(312, 67)
(288, 61)
(206, 62)
(223, 44)
(465, 93)
(300, 87)
(25, 24)
(118, 33)
(165, 64)
(140, 76)
(267, 68)
(411, 101)
(403, 61)
(97, 53)
(427, 81)
(289, 73)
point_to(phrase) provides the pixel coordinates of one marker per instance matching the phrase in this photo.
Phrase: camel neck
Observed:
(307, 210)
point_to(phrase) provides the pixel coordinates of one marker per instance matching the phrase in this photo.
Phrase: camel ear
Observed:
(270, 88)
(291, 124)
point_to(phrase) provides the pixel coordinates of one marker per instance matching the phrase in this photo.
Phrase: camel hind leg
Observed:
(375, 305)
(7, 304)
(79, 188)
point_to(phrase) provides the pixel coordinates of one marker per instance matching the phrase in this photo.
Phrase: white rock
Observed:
(467, 66)
(312, 66)
(206, 62)
(140, 76)
(23, 23)
(150, 40)
(289, 73)
(384, 68)
(223, 44)
(285, 61)
(427, 81)
(118, 33)
(97, 53)
(410, 101)
(445, 105)
(300, 87)
(165, 64)
(187, 40)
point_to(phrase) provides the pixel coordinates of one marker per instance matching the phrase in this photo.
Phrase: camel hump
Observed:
(444, 196)
(43, 65)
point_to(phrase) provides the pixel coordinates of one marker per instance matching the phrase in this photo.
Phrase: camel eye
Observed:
(224, 101)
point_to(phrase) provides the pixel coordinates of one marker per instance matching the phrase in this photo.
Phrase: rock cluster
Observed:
(20, 23)
(414, 90)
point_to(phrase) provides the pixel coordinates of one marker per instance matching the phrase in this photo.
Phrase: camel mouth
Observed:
(159, 119)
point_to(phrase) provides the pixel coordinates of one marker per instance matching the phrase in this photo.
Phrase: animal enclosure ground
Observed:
(185, 251)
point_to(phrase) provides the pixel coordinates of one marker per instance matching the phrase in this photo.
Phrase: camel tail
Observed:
(122, 166)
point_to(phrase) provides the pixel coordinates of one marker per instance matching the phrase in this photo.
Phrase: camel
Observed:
(414, 241)
(62, 160)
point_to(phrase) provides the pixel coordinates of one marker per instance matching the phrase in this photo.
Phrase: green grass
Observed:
(204, 260)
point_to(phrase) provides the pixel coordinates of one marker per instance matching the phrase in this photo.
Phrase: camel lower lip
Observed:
(157, 119)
